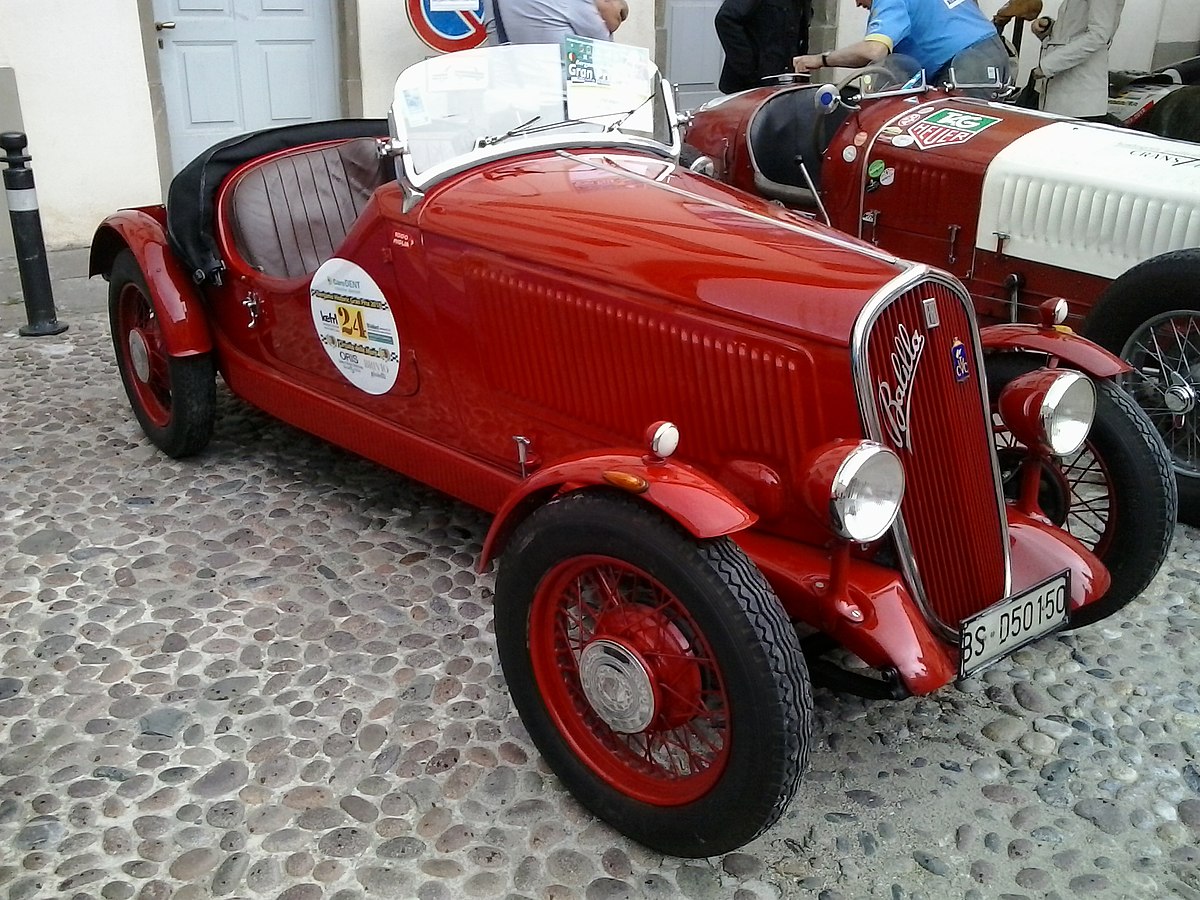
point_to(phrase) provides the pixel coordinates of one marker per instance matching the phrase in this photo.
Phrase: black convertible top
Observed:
(191, 199)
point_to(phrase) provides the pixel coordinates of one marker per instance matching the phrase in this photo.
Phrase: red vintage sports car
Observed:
(700, 420)
(1022, 206)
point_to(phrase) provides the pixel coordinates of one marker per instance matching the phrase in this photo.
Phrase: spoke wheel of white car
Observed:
(658, 675)
(1116, 495)
(1150, 316)
(173, 398)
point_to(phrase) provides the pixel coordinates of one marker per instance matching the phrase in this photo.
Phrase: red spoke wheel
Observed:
(1117, 495)
(658, 675)
(173, 398)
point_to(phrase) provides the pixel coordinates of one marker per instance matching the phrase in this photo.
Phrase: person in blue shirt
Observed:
(938, 34)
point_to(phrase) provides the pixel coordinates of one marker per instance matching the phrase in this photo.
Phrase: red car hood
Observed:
(603, 216)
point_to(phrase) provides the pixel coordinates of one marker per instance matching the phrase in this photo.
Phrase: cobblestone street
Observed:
(269, 671)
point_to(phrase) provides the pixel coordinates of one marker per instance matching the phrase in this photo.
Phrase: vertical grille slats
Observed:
(951, 513)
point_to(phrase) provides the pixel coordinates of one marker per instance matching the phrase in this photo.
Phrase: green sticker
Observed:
(876, 168)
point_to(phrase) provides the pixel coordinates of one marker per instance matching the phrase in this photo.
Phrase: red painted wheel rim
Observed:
(138, 333)
(682, 751)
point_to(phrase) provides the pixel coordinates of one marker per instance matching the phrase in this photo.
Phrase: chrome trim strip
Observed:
(873, 429)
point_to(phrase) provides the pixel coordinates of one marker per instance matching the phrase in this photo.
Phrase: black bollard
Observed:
(27, 238)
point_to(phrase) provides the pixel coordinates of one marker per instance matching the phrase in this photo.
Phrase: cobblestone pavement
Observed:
(269, 672)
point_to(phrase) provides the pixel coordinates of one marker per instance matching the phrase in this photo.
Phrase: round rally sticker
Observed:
(876, 168)
(903, 140)
(355, 325)
(850, 153)
(888, 176)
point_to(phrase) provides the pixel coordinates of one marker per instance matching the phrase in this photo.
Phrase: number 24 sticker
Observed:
(351, 323)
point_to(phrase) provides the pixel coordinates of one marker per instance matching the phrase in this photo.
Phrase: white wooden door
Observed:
(232, 66)
(694, 55)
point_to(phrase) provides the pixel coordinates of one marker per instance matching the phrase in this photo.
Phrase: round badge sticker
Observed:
(860, 139)
(903, 140)
(355, 325)
(876, 168)
(888, 176)
(850, 153)
(910, 119)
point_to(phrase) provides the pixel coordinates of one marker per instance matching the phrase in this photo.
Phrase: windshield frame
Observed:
(521, 144)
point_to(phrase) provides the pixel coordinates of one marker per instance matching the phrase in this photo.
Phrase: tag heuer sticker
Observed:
(949, 126)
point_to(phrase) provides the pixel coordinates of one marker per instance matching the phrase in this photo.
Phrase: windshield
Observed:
(462, 107)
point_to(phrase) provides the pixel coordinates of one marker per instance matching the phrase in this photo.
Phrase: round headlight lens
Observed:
(1067, 412)
(866, 492)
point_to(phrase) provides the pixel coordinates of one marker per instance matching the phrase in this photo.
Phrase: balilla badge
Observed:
(895, 401)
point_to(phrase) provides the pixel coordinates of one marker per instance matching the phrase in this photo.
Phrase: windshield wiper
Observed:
(626, 115)
(530, 128)
(516, 129)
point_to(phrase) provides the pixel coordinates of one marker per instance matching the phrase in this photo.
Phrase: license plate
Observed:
(1013, 623)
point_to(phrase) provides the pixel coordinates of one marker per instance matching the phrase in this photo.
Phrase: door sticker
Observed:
(947, 127)
(355, 325)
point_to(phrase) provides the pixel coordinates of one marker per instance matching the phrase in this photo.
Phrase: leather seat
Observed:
(289, 214)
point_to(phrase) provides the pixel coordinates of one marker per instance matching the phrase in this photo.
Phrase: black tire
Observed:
(173, 397)
(729, 643)
(1160, 296)
(1117, 495)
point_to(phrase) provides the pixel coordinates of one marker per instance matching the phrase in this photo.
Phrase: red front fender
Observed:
(702, 506)
(1078, 352)
(176, 300)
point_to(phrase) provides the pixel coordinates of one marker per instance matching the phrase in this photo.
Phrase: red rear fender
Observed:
(695, 501)
(176, 300)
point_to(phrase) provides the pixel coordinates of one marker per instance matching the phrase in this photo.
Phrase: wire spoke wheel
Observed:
(630, 679)
(656, 673)
(1116, 494)
(173, 397)
(1165, 381)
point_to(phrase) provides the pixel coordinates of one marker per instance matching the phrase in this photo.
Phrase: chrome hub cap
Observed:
(139, 356)
(618, 686)
(1180, 397)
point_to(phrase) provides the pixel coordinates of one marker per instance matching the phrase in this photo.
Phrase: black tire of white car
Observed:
(173, 397)
(1141, 495)
(1160, 294)
(597, 579)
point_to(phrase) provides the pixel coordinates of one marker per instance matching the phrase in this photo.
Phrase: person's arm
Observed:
(586, 21)
(864, 53)
(1103, 17)
(887, 26)
(730, 21)
(613, 12)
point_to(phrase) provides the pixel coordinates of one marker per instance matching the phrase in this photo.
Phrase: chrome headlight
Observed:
(1053, 408)
(856, 488)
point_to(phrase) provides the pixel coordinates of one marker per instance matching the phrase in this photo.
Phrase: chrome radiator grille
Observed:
(919, 377)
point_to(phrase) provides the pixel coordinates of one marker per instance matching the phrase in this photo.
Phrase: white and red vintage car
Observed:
(1022, 206)
(699, 419)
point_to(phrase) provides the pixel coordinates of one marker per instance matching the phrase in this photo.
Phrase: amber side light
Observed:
(635, 484)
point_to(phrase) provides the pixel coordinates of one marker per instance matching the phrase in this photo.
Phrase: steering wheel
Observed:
(851, 77)
(787, 78)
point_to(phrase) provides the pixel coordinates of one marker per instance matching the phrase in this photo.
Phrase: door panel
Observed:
(232, 66)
